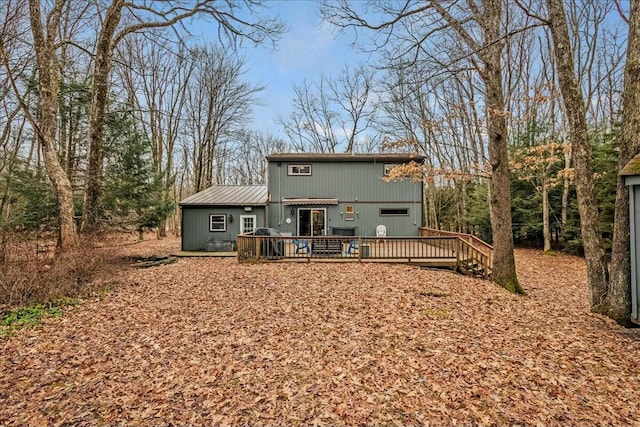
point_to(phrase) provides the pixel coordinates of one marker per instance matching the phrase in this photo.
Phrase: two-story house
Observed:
(308, 194)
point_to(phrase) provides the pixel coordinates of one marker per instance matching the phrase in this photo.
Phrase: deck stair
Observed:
(471, 267)
(475, 257)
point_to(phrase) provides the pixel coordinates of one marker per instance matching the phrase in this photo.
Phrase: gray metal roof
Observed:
(345, 157)
(229, 195)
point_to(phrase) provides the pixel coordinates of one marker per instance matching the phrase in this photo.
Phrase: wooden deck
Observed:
(206, 254)
(450, 251)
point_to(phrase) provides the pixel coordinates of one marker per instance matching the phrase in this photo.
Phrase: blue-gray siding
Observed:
(634, 234)
(353, 183)
(195, 221)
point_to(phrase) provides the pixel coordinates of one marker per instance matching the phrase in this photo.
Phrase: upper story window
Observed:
(299, 170)
(217, 222)
(388, 167)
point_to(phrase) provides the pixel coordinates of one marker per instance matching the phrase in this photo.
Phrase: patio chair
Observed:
(353, 246)
(300, 245)
(381, 232)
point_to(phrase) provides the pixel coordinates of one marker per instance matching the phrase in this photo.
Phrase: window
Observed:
(299, 170)
(394, 212)
(349, 212)
(388, 167)
(218, 222)
(247, 223)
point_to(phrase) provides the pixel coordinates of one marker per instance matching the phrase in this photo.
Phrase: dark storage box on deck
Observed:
(343, 231)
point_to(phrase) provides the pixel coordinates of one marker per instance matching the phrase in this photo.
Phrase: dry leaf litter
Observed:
(209, 341)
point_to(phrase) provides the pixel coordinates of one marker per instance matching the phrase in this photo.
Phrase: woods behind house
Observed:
(112, 112)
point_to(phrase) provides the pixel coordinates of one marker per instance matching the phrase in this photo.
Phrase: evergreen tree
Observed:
(132, 195)
(28, 201)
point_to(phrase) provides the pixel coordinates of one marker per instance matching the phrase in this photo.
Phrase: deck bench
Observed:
(326, 247)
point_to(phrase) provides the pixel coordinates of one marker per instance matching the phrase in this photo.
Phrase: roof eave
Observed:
(320, 157)
(222, 204)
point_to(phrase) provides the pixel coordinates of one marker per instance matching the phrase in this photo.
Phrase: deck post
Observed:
(458, 249)
(485, 266)
(258, 247)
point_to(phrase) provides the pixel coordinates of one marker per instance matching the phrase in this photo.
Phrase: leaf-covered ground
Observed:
(208, 341)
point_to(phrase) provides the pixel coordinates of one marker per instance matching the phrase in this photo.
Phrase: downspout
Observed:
(267, 206)
(280, 195)
(415, 210)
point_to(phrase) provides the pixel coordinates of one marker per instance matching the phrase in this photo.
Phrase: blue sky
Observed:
(309, 48)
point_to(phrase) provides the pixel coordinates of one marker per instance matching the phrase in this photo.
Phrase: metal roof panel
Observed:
(229, 195)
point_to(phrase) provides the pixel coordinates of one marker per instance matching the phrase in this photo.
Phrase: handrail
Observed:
(475, 248)
(467, 239)
(425, 231)
(483, 260)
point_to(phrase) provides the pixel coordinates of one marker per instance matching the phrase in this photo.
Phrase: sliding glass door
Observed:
(312, 222)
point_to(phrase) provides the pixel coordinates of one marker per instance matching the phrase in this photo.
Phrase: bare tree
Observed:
(481, 29)
(617, 302)
(249, 163)
(12, 122)
(598, 51)
(352, 91)
(142, 17)
(45, 35)
(156, 80)
(597, 269)
(490, 55)
(218, 103)
(58, 25)
(333, 113)
(313, 123)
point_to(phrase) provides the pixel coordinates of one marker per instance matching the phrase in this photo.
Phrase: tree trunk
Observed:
(48, 86)
(597, 273)
(432, 212)
(97, 114)
(490, 54)
(504, 265)
(617, 303)
(566, 183)
(546, 232)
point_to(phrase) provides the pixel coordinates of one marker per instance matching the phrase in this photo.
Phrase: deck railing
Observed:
(474, 251)
(256, 248)
(451, 251)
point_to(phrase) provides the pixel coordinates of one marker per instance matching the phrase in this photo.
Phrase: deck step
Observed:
(472, 267)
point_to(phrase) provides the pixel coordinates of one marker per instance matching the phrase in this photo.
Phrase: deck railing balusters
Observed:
(423, 249)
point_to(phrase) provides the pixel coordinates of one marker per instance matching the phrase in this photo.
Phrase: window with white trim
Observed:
(349, 213)
(394, 211)
(298, 170)
(247, 223)
(217, 222)
(388, 167)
